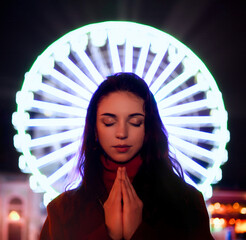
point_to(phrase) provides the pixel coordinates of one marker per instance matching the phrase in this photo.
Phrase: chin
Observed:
(121, 159)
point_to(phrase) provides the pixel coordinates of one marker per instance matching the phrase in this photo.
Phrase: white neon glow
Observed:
(115, 60)
(62, 137)
(98, 36)
(56, 122)
(32, 81)
(19, 140)
(194, 121)
(84, 93)
(86, 81)
(98, 57)
(193, 134)
(191, 166)
(185, 108)
(64, 51)
(89, 65)
(177, 97)
(66, 168)
(53, 101)
(22, 163)
(58, 154)
(128, 56)
(155, 64)
(166, 73)
(58, 108)
(66, 97)
(192, 149)
(142, 59)
(189, 180)
(33, 182)
(19, 119)
(175, 83)
(24, 99)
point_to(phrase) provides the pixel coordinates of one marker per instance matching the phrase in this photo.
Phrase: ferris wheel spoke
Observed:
(88, 64)
(175, 98)
(55, 122)
(44, 107)
(155, 64)
(79, 74)
(186, 108)
(57, 155)
(67, 136)
(128, 55)
(193, 121)
(68, 82)
(65, 169)
(65, 97)
(191, 166)
(113, 51)
(166, 73)
(194, 134)
(189, 180)
(192, 149)
(98, 59)
(175, 83)
(142, 59)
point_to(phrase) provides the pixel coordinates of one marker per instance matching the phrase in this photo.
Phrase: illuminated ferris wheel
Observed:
(51, 106)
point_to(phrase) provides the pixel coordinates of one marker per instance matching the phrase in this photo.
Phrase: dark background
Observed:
(213, 29)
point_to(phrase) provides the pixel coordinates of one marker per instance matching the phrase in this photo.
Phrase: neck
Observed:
(110, 169)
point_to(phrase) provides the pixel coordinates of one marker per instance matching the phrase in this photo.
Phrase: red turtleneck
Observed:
(110, 170)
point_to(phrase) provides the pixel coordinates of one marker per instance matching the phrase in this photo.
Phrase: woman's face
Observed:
(120, 125)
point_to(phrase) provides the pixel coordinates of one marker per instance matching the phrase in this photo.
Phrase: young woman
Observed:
(131, 187)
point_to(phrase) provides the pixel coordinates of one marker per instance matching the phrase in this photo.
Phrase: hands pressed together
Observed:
(123, 208)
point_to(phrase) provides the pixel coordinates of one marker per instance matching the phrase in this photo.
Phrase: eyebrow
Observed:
(114, 116)
(136, 114)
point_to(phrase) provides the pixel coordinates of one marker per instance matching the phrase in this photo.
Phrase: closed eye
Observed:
(109, 124)
(136, 122)
(108, 121)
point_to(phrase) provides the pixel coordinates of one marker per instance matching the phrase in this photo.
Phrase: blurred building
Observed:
(227, 211)
(21, 210)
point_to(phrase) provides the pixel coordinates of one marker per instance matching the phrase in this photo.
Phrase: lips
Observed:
(122, 148)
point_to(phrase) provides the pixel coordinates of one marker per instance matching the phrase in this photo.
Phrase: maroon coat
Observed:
(71, 216)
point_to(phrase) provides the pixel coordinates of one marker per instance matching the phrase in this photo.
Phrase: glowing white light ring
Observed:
(56, 91)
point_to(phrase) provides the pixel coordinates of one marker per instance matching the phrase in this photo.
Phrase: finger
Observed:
(126, 185)
(116, 188)
(132, 190)
(125, 193)
(119, 173)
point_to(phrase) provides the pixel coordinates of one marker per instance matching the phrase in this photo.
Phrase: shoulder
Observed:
(64, 199)
(66, 204)
(192, 193)
(194, 197)
(195, 205)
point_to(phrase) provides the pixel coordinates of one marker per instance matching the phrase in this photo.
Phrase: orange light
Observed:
(211, 208)
(232, 221)
(14, 216)
(240, 226)
(236, 205)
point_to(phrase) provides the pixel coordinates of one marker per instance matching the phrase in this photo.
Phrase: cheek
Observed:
(139, 137)
(104, 135)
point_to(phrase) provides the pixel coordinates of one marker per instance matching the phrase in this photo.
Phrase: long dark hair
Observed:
(155, 150)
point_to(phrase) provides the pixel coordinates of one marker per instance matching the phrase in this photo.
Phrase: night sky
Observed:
(213, 29)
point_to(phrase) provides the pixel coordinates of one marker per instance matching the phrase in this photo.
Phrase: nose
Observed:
(121, 131)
